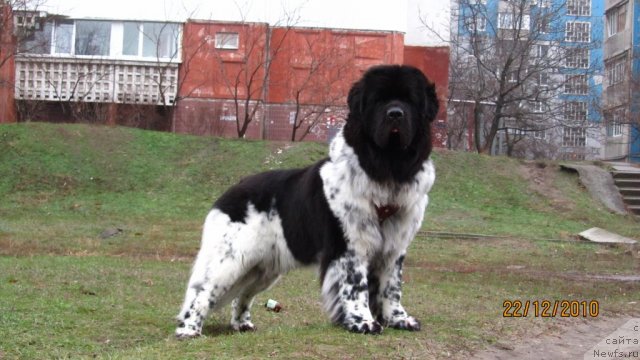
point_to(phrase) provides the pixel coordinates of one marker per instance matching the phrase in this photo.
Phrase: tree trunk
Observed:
(477, 126)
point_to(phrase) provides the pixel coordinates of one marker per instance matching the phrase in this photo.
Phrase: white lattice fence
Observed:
(54, 79)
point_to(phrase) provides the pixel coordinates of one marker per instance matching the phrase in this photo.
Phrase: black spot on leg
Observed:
(187, 315)
(198, 287)
(374, 287)
(181, 324)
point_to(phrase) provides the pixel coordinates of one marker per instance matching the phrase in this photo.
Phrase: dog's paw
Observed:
(184, 333)
(406, 323)
(246, 326)
(365, 327)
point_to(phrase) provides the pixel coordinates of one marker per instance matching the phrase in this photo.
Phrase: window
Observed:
(93, 37)
(476, 23)
(574, 136)
(104, 38)
(225, 40)
(576, 58)
(542, 24)
(476, 2)
(62, 36)
(615, 119)
(540, 134)
(541, 3)
(579, 7)
(576, 84)
(512, 21)
(575, 112)
(540, 50)
(542, 79)
(616, 19)
(616, 70)
(131, 39)
(536, 106)
(577, 31)
(160, 40)
(38, 41)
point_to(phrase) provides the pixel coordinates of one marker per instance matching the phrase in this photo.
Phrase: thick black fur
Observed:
(312, 232)
(381, 86)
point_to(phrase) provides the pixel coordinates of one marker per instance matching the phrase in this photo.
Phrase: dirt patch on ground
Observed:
(565, 339)
(541, 177)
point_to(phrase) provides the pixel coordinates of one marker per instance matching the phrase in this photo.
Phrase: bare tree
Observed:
(245, 77)
(313, 84)
(511, 68)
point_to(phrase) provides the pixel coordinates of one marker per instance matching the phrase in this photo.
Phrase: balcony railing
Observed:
(45, 78)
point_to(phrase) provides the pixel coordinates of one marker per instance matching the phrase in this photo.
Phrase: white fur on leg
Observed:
(235, 258)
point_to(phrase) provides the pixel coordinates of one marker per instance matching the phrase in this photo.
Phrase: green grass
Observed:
(65, 292)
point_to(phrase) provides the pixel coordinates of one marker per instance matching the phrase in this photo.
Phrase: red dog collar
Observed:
(386, 211)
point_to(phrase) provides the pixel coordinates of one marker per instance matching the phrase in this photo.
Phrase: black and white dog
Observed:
(354, 213)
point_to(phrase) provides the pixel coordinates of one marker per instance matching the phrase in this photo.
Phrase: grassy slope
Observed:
(61, 186)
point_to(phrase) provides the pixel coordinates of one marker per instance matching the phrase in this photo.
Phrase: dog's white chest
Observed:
(360, 203)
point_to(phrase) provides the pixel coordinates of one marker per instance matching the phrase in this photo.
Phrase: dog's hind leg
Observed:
(207, 292)
(217, 273)
(241, 306)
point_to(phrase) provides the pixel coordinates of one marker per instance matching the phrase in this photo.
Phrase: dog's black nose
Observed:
(395, 112)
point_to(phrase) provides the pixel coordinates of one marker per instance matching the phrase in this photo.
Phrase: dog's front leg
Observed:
(346, 294)
(392, 313)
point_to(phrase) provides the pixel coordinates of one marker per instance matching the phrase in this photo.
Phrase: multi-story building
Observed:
(539, 63)
(250, 79)
(65, 66)
(622, 81)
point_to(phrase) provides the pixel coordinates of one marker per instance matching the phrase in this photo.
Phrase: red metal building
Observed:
(258, 81)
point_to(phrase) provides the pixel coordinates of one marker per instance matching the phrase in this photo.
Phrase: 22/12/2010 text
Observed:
(550, 308)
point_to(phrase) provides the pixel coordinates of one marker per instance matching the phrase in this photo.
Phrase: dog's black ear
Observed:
(431, 105)
(356, 98)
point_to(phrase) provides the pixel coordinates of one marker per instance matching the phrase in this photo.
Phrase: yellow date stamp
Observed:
(551, 308)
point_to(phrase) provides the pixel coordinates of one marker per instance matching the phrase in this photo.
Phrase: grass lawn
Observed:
(67, 292)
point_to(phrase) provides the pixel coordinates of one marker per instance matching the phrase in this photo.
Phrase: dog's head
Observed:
(392, 107)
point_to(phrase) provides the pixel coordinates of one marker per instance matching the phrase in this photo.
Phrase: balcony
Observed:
(46, 78)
